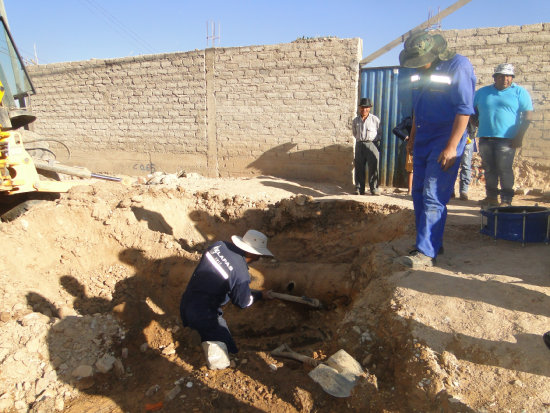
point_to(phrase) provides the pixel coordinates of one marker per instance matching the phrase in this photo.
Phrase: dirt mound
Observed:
(92, 282)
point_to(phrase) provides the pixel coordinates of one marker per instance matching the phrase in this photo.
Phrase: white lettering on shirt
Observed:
(216, 265)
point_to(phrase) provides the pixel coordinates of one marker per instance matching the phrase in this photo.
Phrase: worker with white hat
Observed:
(504, 111)
(222, 275)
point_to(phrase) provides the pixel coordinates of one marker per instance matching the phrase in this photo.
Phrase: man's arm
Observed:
(447, 157)
(524, 125)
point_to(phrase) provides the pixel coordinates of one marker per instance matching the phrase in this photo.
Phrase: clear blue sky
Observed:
(71, 30)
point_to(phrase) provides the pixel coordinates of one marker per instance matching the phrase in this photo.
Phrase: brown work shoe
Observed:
(489, 202)
(415, 260)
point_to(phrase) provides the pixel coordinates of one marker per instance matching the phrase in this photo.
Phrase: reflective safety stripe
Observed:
(217, 265)
(433, 78)
(440, 79)
(251, 301)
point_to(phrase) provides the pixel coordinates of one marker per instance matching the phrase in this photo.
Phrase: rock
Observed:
(6, 403)
(173, 393)
(105, 363)
(124, 353)
(5, 316)
(59, 404)
(83, 370)
(118, 368)
(152, 390)
(143, 348)
(216, 354)
(32, 318)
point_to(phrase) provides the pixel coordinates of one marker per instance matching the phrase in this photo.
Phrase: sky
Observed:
(72, 30)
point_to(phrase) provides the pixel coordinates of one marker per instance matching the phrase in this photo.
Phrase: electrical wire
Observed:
(49, 140)
(118, 25)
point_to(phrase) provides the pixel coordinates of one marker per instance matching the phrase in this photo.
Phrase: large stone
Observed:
(216, 354)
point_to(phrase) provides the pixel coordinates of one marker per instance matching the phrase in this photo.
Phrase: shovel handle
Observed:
(285, 351)
(312, 302)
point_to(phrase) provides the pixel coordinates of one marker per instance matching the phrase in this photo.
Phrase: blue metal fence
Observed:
(388, 88)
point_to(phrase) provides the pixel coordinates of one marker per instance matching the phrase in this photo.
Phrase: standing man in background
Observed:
(366, 130)
(443, 93)
(504, 111)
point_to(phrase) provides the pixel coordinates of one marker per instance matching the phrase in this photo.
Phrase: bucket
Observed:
(517, 223)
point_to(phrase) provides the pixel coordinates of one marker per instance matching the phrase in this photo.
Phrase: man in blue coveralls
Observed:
(443, 92)
(222, 275)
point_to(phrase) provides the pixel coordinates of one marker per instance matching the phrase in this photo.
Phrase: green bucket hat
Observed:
(422, 48)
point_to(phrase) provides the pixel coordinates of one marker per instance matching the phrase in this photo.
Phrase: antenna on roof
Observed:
(211, 36)
(436, 25)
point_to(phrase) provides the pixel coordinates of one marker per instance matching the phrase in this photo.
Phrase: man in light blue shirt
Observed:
(504, 111)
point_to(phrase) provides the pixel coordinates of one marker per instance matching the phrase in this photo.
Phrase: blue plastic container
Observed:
(517, 223)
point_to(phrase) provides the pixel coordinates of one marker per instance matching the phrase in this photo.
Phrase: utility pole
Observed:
(3, 13)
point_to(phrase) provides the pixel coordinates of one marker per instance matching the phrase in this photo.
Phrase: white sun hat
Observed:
(506, 69)
(253, 242)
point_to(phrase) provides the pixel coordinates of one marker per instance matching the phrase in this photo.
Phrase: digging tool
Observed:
(312, 302)
(337, 376)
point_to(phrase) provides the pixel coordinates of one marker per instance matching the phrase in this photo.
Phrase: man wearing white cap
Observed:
(504, 112)
(222, 275)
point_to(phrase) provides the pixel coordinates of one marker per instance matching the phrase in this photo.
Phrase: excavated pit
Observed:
(117, 264)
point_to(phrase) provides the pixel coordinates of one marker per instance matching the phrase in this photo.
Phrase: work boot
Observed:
(357, 192)
(505, 204)
(463, 196)
(489, 202)
(415, 260)
(375, 191)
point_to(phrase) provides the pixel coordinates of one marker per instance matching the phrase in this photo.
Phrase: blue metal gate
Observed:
(389, 90)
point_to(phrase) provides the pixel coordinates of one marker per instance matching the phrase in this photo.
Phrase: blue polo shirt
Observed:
(500, 110)
(438, 96)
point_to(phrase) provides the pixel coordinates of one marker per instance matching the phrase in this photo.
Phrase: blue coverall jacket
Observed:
(221, 275)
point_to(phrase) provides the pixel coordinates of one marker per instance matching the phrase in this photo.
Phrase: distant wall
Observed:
(281, 110)
(528, 49)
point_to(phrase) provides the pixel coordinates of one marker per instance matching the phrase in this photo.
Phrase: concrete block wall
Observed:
(528, 49)
(281, 110)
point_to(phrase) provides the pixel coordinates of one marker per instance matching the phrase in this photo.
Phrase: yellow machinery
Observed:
(20, 182)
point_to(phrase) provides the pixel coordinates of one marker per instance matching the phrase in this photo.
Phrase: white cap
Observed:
(504, 69)
(253, 242)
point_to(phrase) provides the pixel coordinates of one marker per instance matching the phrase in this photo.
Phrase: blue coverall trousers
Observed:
(431, 191)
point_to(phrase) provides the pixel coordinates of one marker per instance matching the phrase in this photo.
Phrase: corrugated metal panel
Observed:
(388, 88)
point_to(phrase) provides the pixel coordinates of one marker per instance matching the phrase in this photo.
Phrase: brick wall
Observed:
(281, 110)
(528, 49)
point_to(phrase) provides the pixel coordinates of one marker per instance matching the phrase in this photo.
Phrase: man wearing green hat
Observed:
(442, 96)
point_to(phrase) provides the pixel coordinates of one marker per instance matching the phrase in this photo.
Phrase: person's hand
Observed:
(266, 295)
(447, 158)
